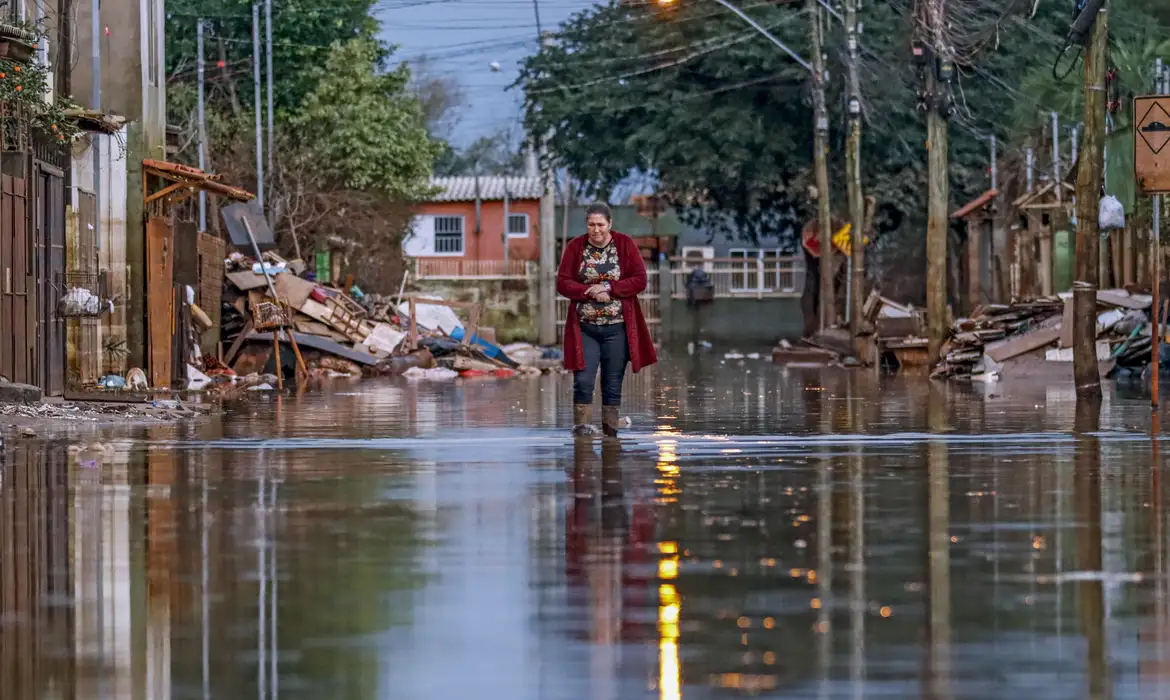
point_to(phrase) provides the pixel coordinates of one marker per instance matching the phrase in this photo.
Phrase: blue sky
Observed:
(461, 39)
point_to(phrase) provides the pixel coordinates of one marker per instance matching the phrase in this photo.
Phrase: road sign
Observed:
(1151, 143)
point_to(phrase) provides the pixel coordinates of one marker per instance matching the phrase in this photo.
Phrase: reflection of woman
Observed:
(601, 275)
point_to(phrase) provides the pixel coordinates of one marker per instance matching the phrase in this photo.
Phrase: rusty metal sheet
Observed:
(1151, 143)
(160, 294)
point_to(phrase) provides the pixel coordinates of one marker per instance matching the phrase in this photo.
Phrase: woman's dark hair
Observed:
(601, 209)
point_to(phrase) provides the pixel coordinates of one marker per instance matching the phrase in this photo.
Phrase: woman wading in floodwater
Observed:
(601, 275)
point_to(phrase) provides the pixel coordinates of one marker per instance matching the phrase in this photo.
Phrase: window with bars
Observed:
(517, 225)
(448, 235)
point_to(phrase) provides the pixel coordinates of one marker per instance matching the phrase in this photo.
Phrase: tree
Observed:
(441, 97)
(497, 154)
(352, 150)
(723, 118)
(303, 32)
(362, 127)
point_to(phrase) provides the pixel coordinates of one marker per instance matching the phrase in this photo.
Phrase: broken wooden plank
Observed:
(323, 344)
(246, 280)
(1122, 298)
(293, 289)
(1026, 342)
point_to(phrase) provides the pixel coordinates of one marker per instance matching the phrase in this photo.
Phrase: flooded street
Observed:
(780, 533)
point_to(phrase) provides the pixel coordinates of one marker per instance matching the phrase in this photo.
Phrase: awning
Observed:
(92, 120)
(187, 180)
(976, 204)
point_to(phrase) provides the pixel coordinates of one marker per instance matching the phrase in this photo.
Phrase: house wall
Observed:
(133, 87)
(112, 235)
(488, 245)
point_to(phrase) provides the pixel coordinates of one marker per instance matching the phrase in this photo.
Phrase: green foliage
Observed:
(23, 89)
(490, 155)
(362, 127)
(351, 150)
(724, 118)
(302, 33)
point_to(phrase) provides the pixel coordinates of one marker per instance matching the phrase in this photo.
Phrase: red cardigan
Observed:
(631, 284)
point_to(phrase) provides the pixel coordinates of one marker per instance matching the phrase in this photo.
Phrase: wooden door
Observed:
(49, 221)
(16, 342)
(160, 296)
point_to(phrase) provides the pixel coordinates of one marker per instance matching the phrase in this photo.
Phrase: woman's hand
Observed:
(595, 290)
(603, 297)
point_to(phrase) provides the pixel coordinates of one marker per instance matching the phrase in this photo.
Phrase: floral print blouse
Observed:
(600, 266)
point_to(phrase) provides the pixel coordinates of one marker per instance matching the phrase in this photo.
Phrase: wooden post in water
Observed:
(828, 310)
(1088, 246)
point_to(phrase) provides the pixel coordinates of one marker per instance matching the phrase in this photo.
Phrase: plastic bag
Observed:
(1111, 214)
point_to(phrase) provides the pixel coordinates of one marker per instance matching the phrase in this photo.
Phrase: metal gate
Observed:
(16, 338)
(50, 278)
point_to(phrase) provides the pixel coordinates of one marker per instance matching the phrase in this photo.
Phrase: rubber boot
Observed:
(583, 420)
(609, 420)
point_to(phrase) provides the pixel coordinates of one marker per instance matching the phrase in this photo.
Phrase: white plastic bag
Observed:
(1111, 214)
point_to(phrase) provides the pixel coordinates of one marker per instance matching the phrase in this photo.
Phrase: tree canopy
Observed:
(352, 150)
(724, 119)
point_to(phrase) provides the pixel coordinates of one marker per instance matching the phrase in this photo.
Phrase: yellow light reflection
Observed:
(668, 614)
(669, 675)
(668, 568)
(668, 547)
(668, 671)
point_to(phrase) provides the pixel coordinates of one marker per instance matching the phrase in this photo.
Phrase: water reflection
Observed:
(797, 534)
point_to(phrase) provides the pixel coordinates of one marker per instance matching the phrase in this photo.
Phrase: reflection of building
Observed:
(34, 552)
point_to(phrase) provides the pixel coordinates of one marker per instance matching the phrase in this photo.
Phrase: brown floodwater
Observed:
(759, 531)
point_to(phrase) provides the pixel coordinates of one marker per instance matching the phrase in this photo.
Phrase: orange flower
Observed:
(16, 69)
(19, 88)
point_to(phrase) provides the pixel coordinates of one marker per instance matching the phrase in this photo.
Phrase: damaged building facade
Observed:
(75, 257)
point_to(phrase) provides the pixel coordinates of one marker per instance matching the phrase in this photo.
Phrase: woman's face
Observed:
(597, 226)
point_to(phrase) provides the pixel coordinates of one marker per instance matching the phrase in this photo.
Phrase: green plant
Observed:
(24, 98)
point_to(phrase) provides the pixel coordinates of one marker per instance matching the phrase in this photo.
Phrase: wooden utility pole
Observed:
(828, 311)
(1156, 272)
(1089, 175)
(938, 76)
(853, 179)
(548, 241)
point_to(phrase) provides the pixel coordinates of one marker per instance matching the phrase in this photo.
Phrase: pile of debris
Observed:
(277, 320)
(1040, 330)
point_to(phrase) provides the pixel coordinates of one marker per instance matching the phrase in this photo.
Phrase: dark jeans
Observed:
(605, 347)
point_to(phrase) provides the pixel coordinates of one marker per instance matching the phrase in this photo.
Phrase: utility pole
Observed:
(1089, 175)
(1156, 271)
(1056, 176)
(202, 123)
(828, 312)
(548, 242)
(268, 69)
(853, 178)
(259, 107)
(938, 97)
(95, 26)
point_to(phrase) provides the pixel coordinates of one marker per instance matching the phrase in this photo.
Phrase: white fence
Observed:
(733, 278)
(461, 269)
(742, 277)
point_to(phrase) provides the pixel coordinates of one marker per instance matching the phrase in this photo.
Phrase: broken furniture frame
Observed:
(475, 310)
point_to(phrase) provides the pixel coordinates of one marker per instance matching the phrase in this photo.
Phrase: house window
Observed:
(698, 256)
(448, 235)
(749, 276)
(517, 225)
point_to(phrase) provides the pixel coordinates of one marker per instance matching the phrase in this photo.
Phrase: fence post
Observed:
(665, 293)
(759, 277)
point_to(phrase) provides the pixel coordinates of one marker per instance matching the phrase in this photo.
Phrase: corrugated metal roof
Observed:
(462, 188)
